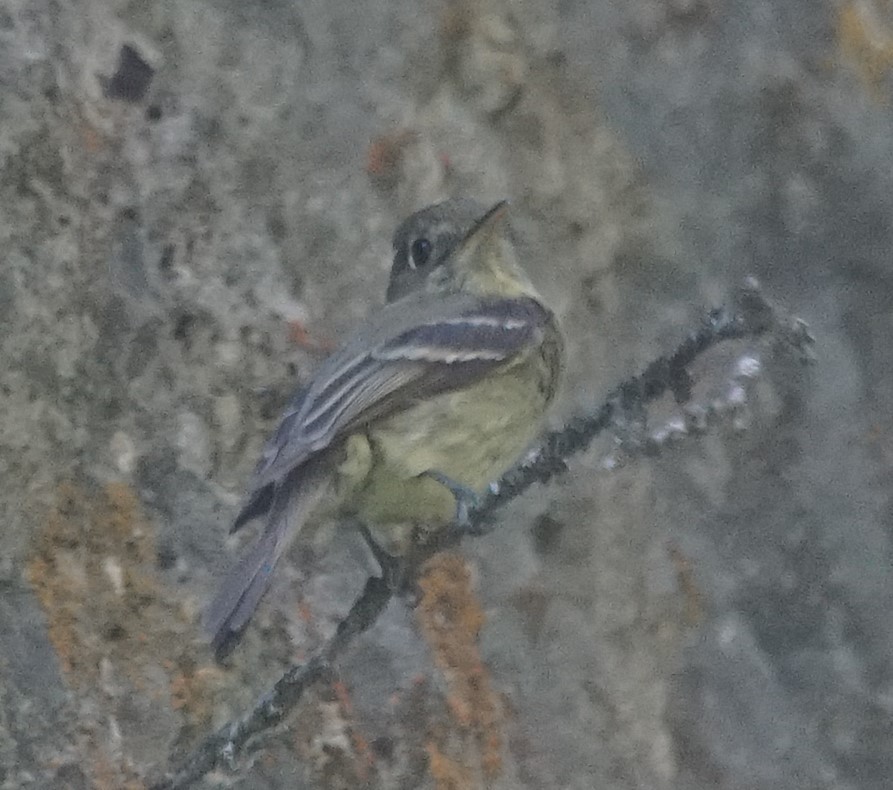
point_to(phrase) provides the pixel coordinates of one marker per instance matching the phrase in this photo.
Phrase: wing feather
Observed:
(409, 351)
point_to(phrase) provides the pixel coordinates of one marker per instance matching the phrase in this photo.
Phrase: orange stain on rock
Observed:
(867, 41)
(115, 627)
(451, 620)
(448, 774)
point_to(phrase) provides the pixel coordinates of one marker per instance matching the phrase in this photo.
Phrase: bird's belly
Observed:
(471, 436)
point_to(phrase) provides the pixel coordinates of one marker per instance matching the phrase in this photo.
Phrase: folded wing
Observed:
(389, 366)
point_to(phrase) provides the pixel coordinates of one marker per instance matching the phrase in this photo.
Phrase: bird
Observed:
(435, 394)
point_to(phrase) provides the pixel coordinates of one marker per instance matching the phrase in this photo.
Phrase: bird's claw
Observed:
(466, 499)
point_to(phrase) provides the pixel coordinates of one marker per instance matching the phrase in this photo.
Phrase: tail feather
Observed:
(240, 594)
(290, 504)
(258, 503)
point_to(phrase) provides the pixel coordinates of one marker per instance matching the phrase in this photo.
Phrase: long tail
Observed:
(240, 593)
(231, 609)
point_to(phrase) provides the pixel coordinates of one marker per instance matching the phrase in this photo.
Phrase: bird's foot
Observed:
(393, 569)
(466, 499)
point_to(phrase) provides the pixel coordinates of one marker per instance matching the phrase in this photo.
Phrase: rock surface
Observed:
(198, 200)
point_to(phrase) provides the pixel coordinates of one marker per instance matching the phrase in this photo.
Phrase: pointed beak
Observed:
(486, 262)
(489, 224)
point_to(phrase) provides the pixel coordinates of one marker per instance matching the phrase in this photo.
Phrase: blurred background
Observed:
(197, 202)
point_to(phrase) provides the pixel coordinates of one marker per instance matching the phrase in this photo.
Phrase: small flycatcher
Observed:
(442, 388)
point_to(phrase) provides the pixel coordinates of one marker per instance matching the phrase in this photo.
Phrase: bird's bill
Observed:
(491, 222)
(481, 247)
(486, 261)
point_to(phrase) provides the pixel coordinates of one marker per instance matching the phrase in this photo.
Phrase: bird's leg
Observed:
(466, 498)
(393, 569)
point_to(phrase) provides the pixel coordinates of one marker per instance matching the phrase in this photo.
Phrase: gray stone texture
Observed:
(198, 196)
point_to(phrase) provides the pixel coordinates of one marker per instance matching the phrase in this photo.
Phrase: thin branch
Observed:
(225, 745)
(750, 316)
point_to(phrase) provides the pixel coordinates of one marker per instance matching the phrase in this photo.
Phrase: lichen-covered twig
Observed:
(749, 315)
(224, 746)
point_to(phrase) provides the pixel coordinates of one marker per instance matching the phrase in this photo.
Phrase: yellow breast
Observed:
(471, 436)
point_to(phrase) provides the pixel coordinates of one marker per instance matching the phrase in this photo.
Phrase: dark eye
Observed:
(420, 252)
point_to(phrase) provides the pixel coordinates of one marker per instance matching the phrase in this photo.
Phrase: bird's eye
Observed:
(420, 252)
